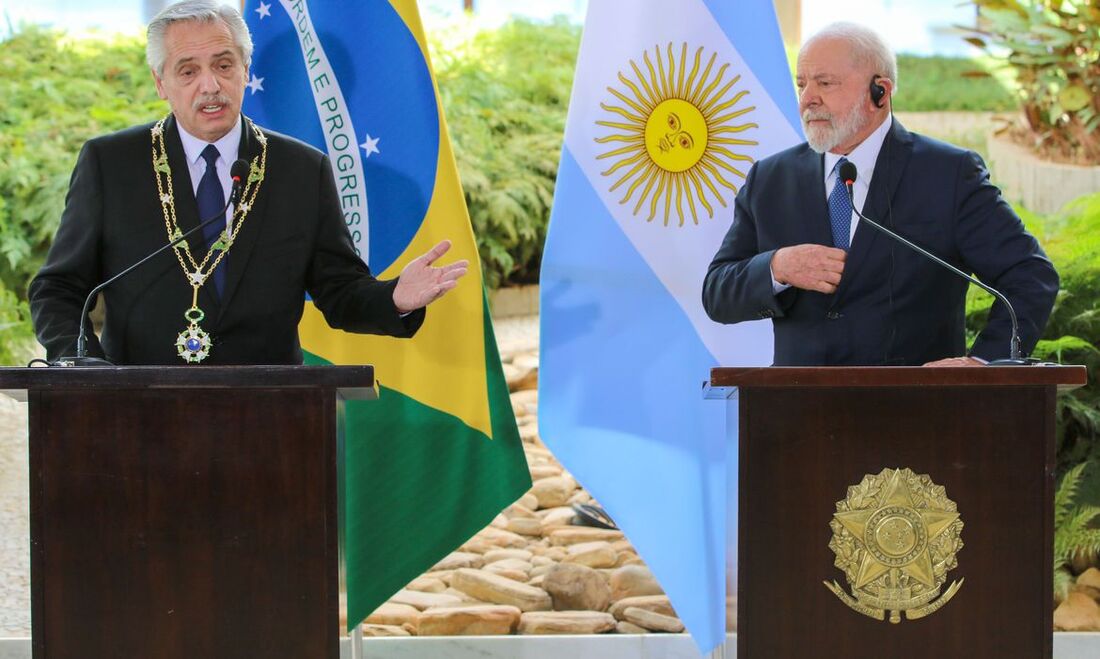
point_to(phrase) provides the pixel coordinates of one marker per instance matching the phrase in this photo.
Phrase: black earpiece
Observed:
(878, 92)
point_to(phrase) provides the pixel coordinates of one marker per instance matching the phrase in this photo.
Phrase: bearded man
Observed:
(838, 291)
(234, 292)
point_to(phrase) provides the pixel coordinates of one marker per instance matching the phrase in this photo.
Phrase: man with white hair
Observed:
(838, 291)
(234, 292)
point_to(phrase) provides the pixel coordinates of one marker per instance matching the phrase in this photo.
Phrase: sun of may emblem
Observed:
(674, 134)
(895, 537)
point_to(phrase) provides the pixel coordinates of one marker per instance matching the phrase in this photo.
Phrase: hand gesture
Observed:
(810, 267)
(420, 284)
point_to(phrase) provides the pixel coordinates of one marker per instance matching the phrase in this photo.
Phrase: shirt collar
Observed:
(228, 145)
(863, 156)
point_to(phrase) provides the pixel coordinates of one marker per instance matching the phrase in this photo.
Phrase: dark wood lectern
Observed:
(812, 437)
(185, 511)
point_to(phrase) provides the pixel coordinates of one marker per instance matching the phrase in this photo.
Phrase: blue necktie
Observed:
(840, 210)
(211, 199)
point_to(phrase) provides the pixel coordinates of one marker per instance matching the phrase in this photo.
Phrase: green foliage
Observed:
(505, 93)
(1054, 48)
(16, 338)
(57, 93)
(1071, 239)
(941, 84)
(1075, 529)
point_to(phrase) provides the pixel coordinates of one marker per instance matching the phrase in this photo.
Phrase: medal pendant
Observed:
(193, 343)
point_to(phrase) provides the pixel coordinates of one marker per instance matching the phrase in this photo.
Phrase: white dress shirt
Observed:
(228, 147)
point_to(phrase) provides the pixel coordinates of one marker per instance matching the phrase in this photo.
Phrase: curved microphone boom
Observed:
(238, 173)
(847, 175)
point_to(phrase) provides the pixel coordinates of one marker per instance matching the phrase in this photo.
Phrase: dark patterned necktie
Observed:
(211, 199)
(840, 210)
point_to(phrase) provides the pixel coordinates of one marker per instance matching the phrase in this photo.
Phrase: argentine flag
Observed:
(438, 455)
(672, 104)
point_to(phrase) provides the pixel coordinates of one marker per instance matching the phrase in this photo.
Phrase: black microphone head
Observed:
(239, 174)
(239, 171)
(847, 172)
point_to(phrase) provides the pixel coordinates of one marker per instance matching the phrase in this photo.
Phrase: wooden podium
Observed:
(812, 437)
(185, 511)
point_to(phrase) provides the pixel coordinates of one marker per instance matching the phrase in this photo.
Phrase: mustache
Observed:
(810, 115)
(212, 99)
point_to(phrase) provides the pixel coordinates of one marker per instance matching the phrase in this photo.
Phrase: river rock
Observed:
(494, 588)
(517, 510)
(545, 471)
(576, 588)
(422, 600)
(525, 526)
(1089, 583)
(427, 584)
(1077, 613)
(392, 614)
(632, 581)
(560, 515)
(525, 402)
(457, 559)
(655, 603)
(441, 575)
(504, 554)
(553, 491)
(502, 538)
(655, 622)
(483, 620)
(566, 622)
(591, 554)
(464, 597)
(577, 534)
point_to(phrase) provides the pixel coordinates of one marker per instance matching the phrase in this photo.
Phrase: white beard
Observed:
(822, 139)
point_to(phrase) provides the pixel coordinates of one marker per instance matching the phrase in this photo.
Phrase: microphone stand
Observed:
(81, 358)
(1014, 345)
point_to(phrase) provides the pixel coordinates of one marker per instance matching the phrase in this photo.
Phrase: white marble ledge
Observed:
(657, 646)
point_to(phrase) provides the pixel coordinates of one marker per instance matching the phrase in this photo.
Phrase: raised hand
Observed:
(420, 284)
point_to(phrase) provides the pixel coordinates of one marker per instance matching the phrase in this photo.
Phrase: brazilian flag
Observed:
(438, 455)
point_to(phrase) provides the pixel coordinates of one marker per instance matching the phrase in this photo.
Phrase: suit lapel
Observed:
(246, 238)
(811, 199)
(187, 209)
(892, 158)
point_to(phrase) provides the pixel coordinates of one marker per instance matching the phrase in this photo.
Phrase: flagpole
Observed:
(357, 641)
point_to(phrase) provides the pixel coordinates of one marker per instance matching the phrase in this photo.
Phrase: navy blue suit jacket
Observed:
(893, 306)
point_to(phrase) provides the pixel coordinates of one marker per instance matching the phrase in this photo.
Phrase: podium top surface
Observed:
(352, 382)
(722, 379)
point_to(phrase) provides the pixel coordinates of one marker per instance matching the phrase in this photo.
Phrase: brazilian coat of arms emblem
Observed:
(896, 536)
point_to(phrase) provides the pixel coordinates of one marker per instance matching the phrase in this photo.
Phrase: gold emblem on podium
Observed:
(895, 537)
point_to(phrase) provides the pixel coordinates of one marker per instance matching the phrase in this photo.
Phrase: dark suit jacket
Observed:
(893, 306)
(293, 241)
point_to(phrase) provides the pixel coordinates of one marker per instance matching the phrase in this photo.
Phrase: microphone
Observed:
(847, 174)
(238, 173)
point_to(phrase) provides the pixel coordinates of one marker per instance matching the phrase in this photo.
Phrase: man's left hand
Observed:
(956, 361)
(420, 284)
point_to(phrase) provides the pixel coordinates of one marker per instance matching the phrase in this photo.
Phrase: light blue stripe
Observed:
(753, 30)
(620, 402)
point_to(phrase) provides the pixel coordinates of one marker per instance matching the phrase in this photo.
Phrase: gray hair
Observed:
(868, 48)
(205, 11)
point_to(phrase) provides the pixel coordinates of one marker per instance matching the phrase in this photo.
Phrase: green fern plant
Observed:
(1074, 529)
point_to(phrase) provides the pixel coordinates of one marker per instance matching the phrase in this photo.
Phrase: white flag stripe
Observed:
(335, 117)
(678, 255)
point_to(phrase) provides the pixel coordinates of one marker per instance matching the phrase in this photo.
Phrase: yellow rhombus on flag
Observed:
(438, 455)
